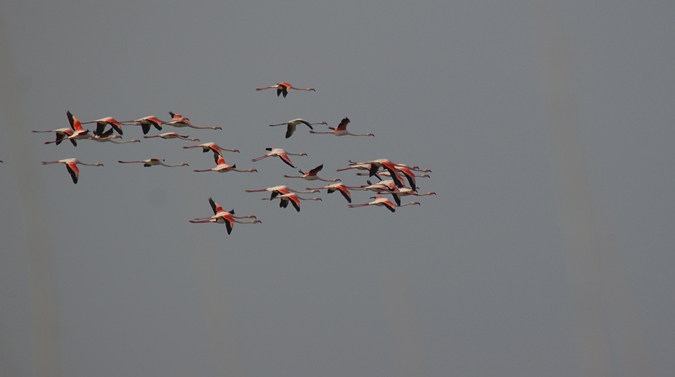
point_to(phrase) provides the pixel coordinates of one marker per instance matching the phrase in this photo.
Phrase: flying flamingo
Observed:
(224, 168)
(152, 162)
(217, 150)
(379, 201)
(293, 199)
(61, 134)
(281, 190)
(366, 166)
(220, 216)
(282, 154)
(171, 135)
(101, 123)
(111, 139)
(312, 175)
(146, 123)
(178, 120)
(356, 165)
(405, 191)
(292, 124)
(284, 87)
(71, 165)
(380, 187)
(341, 130)
(387, 174)
(336, 187)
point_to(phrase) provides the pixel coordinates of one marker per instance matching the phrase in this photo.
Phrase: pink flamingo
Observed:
(379, 201)
(291, 198)
(281, 190)
(282, 154)
(336, 187)
(101, 123)
(222, 167)
(220, 216)
(71, 165)
(341, 130)
(217, 150)
(292, 124)
(312, 175)
(153, 162)
(171, 135)
(178, 120)
(284, 87)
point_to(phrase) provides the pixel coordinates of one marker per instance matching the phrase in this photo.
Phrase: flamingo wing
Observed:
(73, 170)
(343, 124)
(316, 170)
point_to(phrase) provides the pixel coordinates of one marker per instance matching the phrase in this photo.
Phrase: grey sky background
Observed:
(474, 282)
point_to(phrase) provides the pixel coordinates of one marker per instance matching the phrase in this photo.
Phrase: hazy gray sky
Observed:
(473, 282)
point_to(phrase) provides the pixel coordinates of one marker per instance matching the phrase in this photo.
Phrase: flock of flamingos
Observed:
(401, 178)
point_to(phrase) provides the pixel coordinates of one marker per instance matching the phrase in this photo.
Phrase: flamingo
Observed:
(220, 216)
(178, 120)
(152, 162)
(387, 174)
(223, 167)
(284, 87)
(389, 166)
(171, 135)
(217, 150)
(282, 154)
(61, 134)
(101, 123)
(379, 201)
(366, 166)
(281, 190)
(336, 187)
(312, 175)
(71, 165)
(291, 198)
(292, 124)
(111, 139)
(341, 130)
(405, 191)
(356, 165)
(146, 123)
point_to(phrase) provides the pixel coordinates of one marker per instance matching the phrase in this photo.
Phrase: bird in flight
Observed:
(71, 165)
(282, 154)
(222, 167)
(291, 198)
(292, 124)
(312, 175)
(172, 135)
(221, 216)
(153, 162)
(284, 87)
(340, 130)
